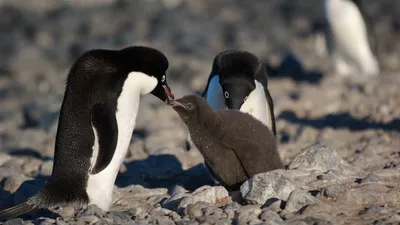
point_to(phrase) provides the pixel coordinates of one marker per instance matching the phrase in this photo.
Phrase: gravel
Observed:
(338, 137)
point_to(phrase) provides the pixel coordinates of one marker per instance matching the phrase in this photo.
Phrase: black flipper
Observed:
(104, 121)
(15, 211)
(271, 111)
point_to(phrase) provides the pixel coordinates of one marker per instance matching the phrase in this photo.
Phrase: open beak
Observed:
(170, 96)
(177, 104)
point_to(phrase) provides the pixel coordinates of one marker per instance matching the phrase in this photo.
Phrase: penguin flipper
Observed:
(16, 211)
(271, 112)
(105, 123)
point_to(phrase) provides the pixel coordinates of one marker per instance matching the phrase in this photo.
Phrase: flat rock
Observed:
(217, 195)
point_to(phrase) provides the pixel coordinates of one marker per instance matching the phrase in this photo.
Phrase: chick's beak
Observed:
(177, 104)
(170, 96)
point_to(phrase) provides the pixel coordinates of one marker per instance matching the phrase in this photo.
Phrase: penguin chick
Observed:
(97, 118)
(235, 145)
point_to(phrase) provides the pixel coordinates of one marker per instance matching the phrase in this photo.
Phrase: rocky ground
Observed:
(351, 177)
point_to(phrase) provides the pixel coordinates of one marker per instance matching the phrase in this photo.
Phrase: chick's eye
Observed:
(163, 78)
(226, 94)
(190, 106)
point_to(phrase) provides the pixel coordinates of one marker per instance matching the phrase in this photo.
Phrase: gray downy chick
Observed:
(234, 144)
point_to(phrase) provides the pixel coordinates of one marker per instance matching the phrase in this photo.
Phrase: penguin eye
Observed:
(189, 106)
(163, 78)
(226, 94)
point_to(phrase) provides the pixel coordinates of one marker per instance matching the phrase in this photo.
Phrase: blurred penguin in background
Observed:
(346, 37)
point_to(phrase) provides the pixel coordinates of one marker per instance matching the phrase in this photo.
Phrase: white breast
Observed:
(257, 105)
(100, 186)
(350, 47)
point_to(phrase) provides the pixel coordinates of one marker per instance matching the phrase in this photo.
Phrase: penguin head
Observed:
(236, 88)
(189, 106)
(237, 70)
(148, 66)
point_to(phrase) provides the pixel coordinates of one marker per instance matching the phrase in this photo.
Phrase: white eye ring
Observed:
(226, 94)
(163, 78)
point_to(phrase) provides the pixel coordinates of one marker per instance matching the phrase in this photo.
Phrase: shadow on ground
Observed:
(339, 120)
(163, 171)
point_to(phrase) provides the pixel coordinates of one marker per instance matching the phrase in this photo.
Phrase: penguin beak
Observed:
(170, 96)
(175, 104)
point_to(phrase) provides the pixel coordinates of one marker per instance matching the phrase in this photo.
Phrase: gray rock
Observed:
(248, 213)
(268, 215)
(118, 217)
(207, 219)
(16, 221)
(216, 195)
(102, 222)
(231, 208)
(162, 221)
(263, 186)
(46, 168)
(4, 157)
(321, 158)
(255, 222)
(93, 210)
(196, 210)
(159, 212)
(88, 219)
(67, 212)
(298, 199)
(47, 221)
(187, 222)
(224, 221)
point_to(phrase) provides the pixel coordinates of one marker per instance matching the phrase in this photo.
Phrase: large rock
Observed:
(263, 186)
(321, 158)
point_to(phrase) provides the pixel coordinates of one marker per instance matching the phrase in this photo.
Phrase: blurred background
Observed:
(40, 40)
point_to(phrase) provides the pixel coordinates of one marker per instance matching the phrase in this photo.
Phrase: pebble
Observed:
(298, 199)
(247, 213)
(88, 219)
(93, 210)
(118, 217)
(67, 212)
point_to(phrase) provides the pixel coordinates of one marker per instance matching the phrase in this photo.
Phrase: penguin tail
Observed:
(16, 211)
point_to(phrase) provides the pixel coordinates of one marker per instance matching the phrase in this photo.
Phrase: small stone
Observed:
(286, 215)
(248, 213)
(88, 219)
(216, 195)
(255, 222)
(267, 215)
(224, 221)
(231, 208)
(207, 219)
(4, 157)
(118, 217)
(61, 222)
(298, 199)
(16, 221)
(263, 186)
(273, 204)
(93, 210)
(166, 221)
(187, 222)
(67, 212)
(46, 168)
(196, 209)
(102, 222)
(159, 212)
(175, 216)
(48, 221)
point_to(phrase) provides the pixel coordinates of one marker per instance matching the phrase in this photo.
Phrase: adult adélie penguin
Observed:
(97, 118)
(238, 80)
